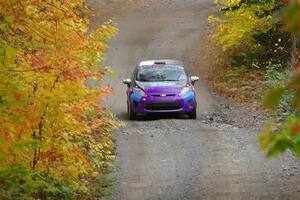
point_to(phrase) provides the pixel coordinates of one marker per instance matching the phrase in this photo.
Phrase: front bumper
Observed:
(167, 104)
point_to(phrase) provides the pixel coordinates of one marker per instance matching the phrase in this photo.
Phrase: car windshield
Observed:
(157, 73)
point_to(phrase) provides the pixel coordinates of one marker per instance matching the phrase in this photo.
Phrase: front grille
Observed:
(163, 106)
(163, 95)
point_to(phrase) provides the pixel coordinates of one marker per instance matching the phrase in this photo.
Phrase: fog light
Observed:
(144, 99)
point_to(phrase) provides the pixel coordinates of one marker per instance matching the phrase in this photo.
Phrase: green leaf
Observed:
(297, 138)
(280, 147)
(296, 149)
(272, 98)
(8, 19)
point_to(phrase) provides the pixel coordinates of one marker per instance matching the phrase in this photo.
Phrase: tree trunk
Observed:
(294, 56)
(294, 53)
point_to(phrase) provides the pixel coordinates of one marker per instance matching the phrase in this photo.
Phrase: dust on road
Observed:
(174, 158)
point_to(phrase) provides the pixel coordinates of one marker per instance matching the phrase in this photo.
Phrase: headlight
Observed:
(184, 91)
(139, 91)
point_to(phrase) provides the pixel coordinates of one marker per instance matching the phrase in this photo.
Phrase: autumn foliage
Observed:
(265, 36)
(55, 138)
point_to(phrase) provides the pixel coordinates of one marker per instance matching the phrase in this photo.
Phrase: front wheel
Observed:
(193, 114)
(131, 115)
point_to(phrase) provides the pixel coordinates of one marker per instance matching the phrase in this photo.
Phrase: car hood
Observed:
(155, 88)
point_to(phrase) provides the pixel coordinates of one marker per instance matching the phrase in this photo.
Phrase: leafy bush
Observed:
(55, 137)
(284, 134)
(264, 35)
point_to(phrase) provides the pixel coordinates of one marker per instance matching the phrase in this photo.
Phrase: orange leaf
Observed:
(296, 128)
(18, 96)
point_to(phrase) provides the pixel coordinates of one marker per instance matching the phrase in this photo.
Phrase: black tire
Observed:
(131, 115)
(193, 114)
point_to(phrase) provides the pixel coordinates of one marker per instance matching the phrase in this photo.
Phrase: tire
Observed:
(193, 114)
(131, 115)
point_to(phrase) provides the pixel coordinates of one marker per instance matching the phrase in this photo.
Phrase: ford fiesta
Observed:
(161, 86)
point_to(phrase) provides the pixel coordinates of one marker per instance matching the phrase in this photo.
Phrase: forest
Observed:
(258, 42)
(56, 135)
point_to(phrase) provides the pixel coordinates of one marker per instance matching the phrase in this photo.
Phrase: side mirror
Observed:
(194, 79)
(127, 82)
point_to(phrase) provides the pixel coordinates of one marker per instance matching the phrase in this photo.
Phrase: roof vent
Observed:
(159, 62)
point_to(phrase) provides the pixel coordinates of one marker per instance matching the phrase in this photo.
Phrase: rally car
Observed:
(161, 86)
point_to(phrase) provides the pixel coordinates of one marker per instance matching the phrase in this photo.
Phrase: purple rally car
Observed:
(161, 86)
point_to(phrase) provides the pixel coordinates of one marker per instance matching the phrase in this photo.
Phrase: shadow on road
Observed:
(152, 117)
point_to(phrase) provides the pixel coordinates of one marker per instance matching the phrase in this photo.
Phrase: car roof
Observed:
(164, 62)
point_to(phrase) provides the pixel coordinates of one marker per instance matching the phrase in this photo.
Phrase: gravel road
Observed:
(169, 157)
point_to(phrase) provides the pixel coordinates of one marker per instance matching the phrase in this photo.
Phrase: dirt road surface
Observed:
(175, 158)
